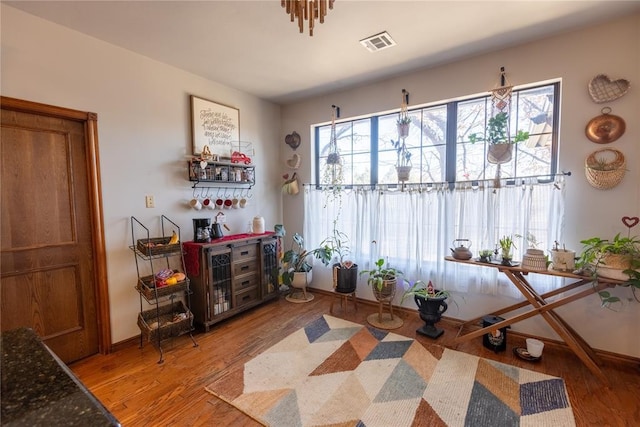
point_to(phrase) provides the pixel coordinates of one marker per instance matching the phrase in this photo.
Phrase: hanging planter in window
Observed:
(333, 175)
(403, 121)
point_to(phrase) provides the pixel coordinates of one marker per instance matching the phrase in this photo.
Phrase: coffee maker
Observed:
(201, 230)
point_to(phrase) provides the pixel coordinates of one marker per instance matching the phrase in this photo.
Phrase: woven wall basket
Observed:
(605, 168)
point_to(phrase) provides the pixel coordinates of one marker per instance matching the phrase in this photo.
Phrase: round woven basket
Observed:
(605, 168)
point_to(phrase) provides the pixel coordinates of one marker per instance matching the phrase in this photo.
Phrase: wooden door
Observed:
(52, 273)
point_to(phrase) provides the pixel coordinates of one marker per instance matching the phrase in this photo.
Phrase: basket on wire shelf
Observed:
(605, 168)
(169, 321)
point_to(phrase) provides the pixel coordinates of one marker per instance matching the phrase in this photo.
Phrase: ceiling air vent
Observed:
(378, 42)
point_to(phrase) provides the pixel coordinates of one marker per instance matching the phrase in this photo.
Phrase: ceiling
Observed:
(253, 46)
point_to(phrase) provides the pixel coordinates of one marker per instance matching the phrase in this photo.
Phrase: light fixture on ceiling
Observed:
(378, 42)
(307, 10)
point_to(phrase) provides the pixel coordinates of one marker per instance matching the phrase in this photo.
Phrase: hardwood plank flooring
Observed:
(140, 392)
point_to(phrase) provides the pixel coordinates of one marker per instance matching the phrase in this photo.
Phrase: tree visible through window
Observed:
(439, 141)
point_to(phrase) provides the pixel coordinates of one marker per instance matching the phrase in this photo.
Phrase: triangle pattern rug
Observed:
(338, 373)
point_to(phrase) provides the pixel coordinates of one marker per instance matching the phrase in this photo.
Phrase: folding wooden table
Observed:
(544, 308)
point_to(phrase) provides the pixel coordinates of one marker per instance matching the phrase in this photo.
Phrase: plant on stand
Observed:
(345, 271)
(297, 263)
(431, 305)
(383, 280)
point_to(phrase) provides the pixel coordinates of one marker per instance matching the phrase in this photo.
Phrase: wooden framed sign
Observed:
(214, 125)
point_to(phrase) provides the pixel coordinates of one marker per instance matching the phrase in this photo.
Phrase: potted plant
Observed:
(297, 262)
(562, 259)
(403, 164)
(403, 124)
(618, 258)
(431, 304)
(485, 255)
(383, 280)
(506, 243)
(345, 271)
(500, 142)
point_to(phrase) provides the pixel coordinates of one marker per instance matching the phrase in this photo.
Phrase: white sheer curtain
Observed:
(415, 229)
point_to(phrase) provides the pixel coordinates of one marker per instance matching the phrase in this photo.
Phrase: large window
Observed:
(439, 141)
(452, 192)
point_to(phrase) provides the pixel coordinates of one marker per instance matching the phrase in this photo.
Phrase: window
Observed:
(439, 141)
(454, 195)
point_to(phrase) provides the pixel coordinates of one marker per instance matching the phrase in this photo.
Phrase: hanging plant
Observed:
(404, 121)
(333, 174)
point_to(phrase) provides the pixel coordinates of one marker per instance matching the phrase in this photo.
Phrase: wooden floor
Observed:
(140, 392)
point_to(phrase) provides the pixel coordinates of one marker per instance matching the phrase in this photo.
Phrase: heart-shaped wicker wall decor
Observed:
(294, 161)
(602, 89)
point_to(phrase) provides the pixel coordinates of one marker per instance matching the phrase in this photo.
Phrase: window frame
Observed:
(451, 138)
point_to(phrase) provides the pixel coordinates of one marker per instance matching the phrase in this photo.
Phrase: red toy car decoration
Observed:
(238, 157)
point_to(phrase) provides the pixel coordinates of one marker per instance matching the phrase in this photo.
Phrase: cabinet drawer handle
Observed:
(246, 282)
(246, 297)
(244, 253)
(244, 267)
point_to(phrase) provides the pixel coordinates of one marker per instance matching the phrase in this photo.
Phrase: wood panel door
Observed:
(51, 270)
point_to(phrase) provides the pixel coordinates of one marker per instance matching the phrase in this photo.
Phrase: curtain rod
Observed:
(506, 181)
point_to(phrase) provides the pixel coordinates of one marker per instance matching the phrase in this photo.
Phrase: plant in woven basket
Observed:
(620, 253)
(605, 168)
(380, 274)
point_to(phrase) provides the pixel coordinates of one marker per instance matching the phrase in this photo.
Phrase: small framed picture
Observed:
(215, 126)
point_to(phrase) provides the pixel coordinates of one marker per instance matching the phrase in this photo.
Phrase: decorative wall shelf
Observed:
(221, 174)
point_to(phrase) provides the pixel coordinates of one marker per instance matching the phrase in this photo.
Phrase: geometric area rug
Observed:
(338, 373)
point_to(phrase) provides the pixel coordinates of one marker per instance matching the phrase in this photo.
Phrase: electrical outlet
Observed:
(150, 202)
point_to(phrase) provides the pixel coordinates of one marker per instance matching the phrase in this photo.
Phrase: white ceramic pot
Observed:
(563, 260)
(301, 279)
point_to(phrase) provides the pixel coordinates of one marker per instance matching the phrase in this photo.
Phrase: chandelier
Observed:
(308, 10)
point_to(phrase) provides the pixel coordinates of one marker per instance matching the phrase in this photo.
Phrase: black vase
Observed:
(430, 310)
(346, 278)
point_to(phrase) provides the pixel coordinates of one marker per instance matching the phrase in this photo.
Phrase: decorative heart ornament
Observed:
(293, 140)
(294, 161)
(630, 221)
(602, 89)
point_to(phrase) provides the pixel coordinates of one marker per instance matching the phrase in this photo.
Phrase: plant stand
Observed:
(382, 320)
(298, 293)
(343, 297)
(430, 310)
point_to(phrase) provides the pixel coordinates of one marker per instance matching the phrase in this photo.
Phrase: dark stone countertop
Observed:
(39, 390)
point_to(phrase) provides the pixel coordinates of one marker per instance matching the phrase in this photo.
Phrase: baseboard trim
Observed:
(603, 354)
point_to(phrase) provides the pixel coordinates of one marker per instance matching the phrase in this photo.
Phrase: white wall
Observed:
(143, 111)
(144, 135)
(576, 57)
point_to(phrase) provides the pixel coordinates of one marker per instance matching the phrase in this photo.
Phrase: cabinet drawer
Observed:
(241, 253)
(246, 282)
(245, 267)
(246, 297)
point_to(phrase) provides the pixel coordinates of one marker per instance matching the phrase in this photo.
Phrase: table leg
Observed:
(575, 342)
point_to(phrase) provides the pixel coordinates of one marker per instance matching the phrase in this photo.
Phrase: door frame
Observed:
(90, 121)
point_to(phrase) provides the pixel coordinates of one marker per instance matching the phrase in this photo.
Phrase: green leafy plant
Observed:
(404, 155)
(377, 275)
(595, 253)
(424, 290)
(338, 242)
(497, 132)
(299, 260)
(506, 243)
(403, 120)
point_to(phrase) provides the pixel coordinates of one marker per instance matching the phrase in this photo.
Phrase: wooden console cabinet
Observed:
(231, 275)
